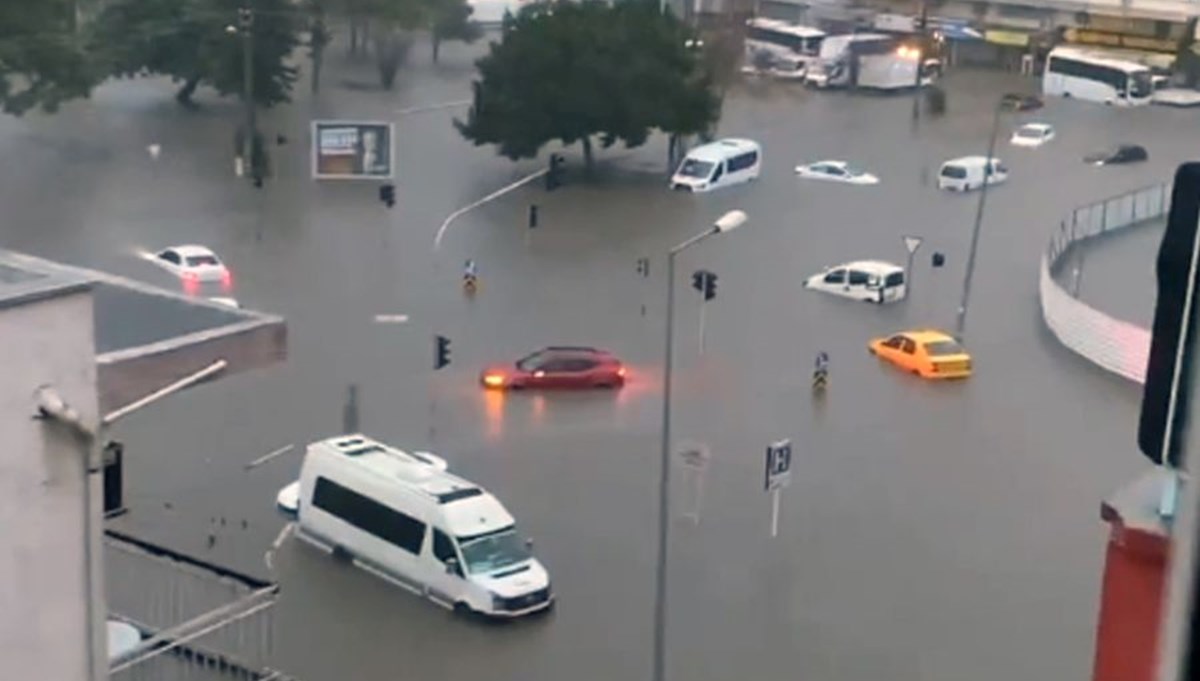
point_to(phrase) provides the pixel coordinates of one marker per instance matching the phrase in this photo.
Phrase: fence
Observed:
(1115, 345)
(199, 622)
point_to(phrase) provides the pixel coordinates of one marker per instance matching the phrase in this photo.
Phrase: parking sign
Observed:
(779, 465)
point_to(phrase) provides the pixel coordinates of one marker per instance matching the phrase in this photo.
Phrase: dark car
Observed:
(1015, 102)
(557, 367)
(1123, 153)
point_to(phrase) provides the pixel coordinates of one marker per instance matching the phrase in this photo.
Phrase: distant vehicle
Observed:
(896, 70)
(1096, 77)
(968, 172)
(926, 353)
(719, 164)
(557, 367)
(419, 527)
(1122, 153)
(785, 47)
(836, 171)
(1032, 135)
(1178, 97)
(192, 263)
(1016, 102)
(873, 281)
(226, 301)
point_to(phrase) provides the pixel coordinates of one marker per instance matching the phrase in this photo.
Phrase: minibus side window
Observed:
(369, 515)
(443, 550)
(858, 278)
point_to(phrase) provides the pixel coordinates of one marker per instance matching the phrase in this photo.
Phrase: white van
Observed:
(404, 518)
(718, 164)
(874, 281)
(963, 174)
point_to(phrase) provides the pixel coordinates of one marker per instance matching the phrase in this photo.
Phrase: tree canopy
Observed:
(571, 71)
(198, 42)
(43, 58)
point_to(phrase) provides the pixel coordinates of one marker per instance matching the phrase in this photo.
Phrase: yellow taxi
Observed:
(926, 353)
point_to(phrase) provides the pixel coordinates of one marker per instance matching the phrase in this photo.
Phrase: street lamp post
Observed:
(961, 322)
(727, 222)
(246, 25)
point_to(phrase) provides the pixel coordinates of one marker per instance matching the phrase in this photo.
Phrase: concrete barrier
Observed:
(1112, 344)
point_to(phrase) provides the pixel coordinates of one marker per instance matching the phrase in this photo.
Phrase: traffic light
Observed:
(387, 194)
(706, 283)
(1164, 378)
(938, 259)
(554, 173)
(441, 352)
(533, 216)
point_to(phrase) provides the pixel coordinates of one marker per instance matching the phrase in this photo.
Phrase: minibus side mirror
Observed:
(529, 543)
(452, 566)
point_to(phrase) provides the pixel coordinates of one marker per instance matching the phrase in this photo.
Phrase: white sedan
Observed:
(836, 171)
(1032, 135)
(191, 263)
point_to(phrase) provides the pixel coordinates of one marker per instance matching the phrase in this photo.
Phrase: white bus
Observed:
(1096, 77)
(787, 47)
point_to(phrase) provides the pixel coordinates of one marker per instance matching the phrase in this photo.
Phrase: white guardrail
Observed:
(1112, 344)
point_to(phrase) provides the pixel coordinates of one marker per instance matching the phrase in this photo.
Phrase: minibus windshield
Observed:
(494, 551)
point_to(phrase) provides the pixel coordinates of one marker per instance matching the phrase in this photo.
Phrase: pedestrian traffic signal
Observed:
(698, 280)
(1172, 339)
(938, 259)
(387, 194)
(533, 216)
(710, 286)
(441, 352)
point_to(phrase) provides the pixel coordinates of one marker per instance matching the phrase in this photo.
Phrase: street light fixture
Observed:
(961, 322)
(726, 223)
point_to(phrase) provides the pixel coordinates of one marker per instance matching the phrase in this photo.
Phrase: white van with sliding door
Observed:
(402, 517)
(968, 172)
(719, 164)
(874, 281)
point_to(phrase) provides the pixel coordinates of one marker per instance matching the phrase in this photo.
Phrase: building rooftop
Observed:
(147, 337)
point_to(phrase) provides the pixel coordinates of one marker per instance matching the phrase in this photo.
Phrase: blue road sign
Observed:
(779, 465)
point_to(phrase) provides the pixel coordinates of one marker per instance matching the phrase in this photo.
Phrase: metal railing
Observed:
(1113, 344)
(198, 621)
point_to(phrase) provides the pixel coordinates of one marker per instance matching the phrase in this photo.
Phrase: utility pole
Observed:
(246, 26)
(923, 36)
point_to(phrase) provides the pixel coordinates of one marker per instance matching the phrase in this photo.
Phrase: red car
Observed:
(557, 367)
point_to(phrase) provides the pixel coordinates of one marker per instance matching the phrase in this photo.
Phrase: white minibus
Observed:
(402, 517)
(718, 164)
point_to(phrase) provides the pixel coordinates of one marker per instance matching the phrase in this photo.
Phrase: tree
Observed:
(199, 42)
(43, 58)
(319, 37)
(451, 20)
(574, 71)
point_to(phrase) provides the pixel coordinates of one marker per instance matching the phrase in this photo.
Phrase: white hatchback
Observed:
(1032, 135)
(872, 281)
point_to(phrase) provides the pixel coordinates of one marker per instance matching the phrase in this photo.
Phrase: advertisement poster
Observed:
(352, 150)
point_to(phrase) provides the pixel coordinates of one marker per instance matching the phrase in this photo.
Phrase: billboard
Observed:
(352, 150)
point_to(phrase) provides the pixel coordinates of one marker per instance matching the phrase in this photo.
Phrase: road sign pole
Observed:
(908, 272)
(775, 512)
(703, 316)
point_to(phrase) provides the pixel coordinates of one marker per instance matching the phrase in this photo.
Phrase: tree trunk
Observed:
(672, 152)
(316, 69)
(437, 44)
(588, 161)
(184, 95)
(352, 49)
(391, 47)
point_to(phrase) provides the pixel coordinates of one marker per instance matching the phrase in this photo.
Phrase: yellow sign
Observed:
(1135, 42)
(1007, 38)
